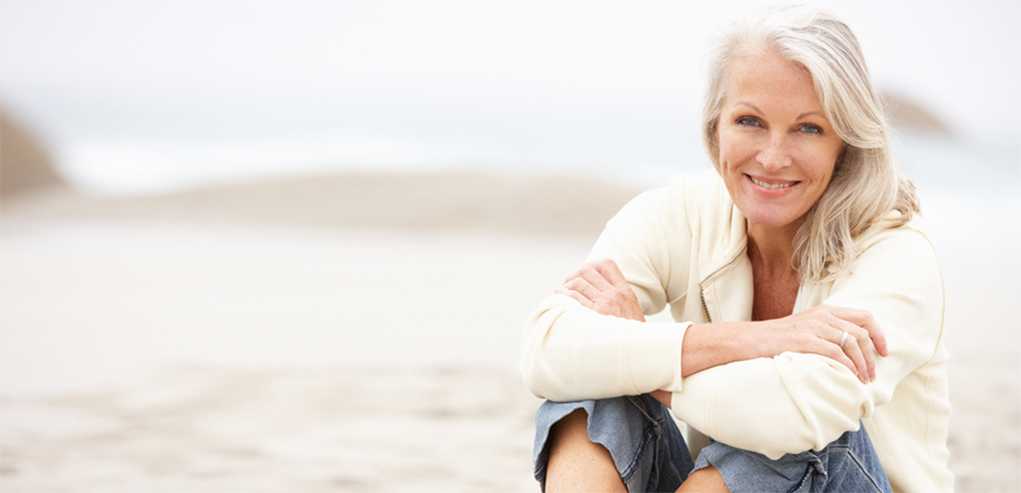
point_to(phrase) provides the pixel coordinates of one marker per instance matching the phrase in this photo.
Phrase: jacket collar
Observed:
(727, 285)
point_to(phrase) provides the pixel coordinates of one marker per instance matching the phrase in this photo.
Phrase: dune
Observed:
(427, 201)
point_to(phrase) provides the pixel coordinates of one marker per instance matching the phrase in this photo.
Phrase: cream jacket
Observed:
(683, 246)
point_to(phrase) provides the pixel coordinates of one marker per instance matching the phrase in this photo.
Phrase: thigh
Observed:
(647, 449)
(849, 463)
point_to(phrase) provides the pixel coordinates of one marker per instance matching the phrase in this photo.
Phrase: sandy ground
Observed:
(157, 345)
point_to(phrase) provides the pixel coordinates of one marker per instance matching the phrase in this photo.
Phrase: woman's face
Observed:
(777, 150)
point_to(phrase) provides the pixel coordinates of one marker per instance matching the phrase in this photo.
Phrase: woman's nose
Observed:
(773, 157)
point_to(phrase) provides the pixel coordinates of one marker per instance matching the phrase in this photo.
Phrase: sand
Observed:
(201, 341)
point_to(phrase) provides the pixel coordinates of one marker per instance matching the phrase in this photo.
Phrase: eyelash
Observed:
(815, 129)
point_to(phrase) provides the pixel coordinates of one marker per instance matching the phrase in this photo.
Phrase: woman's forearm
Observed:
(714, 344)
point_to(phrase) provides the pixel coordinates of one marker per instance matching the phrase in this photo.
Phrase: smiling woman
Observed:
(802, 290)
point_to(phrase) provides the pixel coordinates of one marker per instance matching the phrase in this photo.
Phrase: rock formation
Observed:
(25, 164)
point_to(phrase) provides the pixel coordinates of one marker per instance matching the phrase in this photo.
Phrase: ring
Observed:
(843, 338)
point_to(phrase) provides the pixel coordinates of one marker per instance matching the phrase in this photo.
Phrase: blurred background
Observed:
(261, 247)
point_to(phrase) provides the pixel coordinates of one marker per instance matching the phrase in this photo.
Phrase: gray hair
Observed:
(866, 186)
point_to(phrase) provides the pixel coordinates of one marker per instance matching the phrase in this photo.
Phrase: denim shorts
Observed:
(651, 455)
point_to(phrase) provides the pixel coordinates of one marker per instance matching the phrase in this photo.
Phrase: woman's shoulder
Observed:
(682, 201)
(891, 228)
(897, 254)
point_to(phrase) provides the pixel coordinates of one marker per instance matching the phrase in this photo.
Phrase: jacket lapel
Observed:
(728, 287)
(728, 294)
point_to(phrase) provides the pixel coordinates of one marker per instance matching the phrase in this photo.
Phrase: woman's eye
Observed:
(748, 121)
(811, 129)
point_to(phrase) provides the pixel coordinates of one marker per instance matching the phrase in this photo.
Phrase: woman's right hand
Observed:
(820, 330)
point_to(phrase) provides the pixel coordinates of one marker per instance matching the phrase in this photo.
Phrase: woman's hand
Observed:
(820, 330)
(601, 287)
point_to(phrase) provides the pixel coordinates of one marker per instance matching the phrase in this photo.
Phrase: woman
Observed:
(803, 289)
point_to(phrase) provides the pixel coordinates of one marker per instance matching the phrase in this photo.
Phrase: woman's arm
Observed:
(574, 349)
(570, 352)
(846, 335)
(795, 401)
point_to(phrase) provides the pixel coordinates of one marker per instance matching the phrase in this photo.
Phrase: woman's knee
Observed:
(575, 462)
(635, 434)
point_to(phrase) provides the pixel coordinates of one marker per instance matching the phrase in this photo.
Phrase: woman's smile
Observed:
(771, 188)
(777, 149)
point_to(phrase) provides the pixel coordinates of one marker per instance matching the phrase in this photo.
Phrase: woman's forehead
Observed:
(767, 79)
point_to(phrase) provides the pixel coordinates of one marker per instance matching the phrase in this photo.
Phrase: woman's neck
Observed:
(772, 249)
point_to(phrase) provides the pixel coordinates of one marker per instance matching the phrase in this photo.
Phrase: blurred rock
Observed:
(26, 165)
(907, 113)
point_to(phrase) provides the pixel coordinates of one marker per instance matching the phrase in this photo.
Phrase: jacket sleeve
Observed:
(570, 352)
(794, 402)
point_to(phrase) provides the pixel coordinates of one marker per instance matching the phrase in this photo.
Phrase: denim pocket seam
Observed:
(647, 432)
(861, 467)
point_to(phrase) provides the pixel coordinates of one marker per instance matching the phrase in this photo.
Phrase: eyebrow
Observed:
(756, 108)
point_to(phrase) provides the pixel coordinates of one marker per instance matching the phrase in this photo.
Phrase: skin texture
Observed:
(771, 127)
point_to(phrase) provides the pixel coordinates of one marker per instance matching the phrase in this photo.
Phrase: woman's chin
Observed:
(770, 221)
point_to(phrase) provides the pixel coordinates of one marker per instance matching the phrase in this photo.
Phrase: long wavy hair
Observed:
(866, 187)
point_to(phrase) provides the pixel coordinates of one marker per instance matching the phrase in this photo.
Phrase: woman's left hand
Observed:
(601, 287)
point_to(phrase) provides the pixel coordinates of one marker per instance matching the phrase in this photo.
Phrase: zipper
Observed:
(705, 309)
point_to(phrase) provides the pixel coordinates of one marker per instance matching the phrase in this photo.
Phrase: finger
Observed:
(582, 286)
(864, 319)
(851, 349)
(595, 278)
(612, 272)
(574, 274)
(831, 350)
(864, 343)
(578, 296)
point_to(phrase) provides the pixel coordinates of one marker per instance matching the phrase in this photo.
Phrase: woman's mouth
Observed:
(773, 187)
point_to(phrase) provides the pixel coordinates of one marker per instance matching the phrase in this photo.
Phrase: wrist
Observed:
(751, 337)
(740, 341)
(711, 344)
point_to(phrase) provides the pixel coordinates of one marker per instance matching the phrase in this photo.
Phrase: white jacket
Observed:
(684, 245)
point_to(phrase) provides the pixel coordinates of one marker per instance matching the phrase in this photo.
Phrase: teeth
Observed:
(770, 185)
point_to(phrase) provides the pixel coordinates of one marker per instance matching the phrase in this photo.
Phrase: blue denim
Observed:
(651, 455)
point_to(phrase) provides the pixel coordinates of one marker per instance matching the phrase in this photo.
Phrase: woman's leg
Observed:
(849, 463)
(577, 464)
(626, 442)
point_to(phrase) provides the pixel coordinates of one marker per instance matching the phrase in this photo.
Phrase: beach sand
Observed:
(358, 332)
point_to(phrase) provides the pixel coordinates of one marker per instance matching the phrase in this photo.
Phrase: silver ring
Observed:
(843, 338)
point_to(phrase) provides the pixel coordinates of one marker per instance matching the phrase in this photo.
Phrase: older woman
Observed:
(807, 352)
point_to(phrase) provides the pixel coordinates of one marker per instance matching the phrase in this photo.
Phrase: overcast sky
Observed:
(378, 78)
